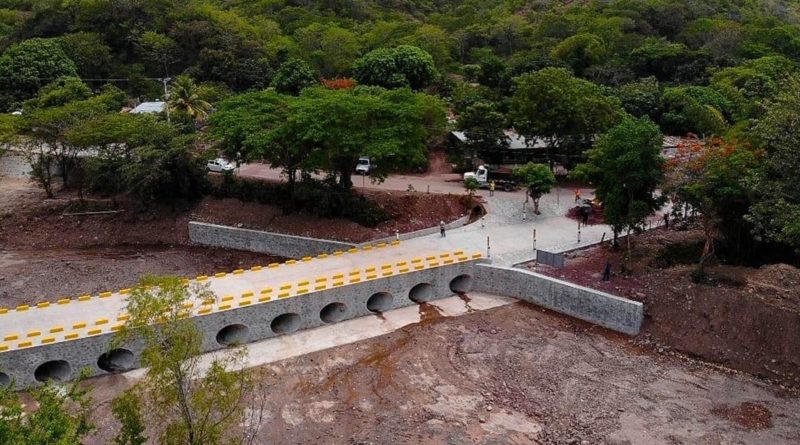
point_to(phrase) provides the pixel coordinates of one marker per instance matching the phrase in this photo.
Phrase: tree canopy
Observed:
(626, 169)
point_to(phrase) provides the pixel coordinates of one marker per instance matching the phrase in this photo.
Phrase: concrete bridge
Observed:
(57, 339)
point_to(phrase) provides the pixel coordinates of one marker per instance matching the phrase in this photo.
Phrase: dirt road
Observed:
(511, 375)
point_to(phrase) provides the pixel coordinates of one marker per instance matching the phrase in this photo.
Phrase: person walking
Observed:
(577, 195)
(607, 272)
(441, 229)
(491, 188)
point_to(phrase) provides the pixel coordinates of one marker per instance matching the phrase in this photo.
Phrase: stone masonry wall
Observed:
(290, 246)
(612, 312)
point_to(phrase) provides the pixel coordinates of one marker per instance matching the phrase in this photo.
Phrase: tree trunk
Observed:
(628, 255)
(708, 246)
(345, 180)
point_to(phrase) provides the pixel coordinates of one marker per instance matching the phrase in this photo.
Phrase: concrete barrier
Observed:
(214, 235)
(230, 325)
(423, 232)
(615, 313)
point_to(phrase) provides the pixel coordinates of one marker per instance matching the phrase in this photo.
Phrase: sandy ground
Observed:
(510, 375)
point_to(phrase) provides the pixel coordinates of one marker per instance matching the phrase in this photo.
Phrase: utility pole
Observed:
(165, 81)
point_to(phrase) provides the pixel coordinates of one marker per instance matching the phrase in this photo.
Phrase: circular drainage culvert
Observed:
(333, 312)
(5, 380)
(421, 293)
(116, 360)
(461, 284)
(285, 323)
(232, 335)
(56, 370)
(380, 302)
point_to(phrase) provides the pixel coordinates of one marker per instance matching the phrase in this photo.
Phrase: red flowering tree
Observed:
(709, 179)
(339, 83)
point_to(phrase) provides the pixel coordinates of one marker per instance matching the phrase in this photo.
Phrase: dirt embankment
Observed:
(42, 224)
(410, 211)
(743, 318)
(46, 254)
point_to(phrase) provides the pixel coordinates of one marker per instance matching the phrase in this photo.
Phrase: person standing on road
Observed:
(607, 272)
(577, 195)
(441, 229)
(491, 188)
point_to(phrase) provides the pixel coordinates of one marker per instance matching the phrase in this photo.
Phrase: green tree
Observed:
(44, 130)
(292, 76)
(471, 184)
(159, 49)
(114, 138)
(709, 178)
(62, 415)
(538, 179)
(697, 110)
(193, 404)
(641, 98)
(257, 125)
(27, 66)
(483, 127)
(185, 99)
(93, 58)
(331, 49)
(393, 127)
(775, 212)
(626, 167)
(127, 409)
(402, 66)
(580, 51)
(553, 105)
(59, 92)
(166, 171)
(747, 86)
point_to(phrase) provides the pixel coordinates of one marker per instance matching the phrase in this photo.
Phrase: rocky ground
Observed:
(740, 317)
(515, 374)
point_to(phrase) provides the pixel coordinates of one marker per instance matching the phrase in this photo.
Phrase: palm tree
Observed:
(184, 97)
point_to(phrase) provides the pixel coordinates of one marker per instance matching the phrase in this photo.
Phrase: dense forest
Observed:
(310, 85)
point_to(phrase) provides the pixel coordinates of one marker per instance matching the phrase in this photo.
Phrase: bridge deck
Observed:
(69, 319)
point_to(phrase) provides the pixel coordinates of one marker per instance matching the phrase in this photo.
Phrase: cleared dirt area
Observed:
(509, 375)
(743, 318)
(410, 211)
(26, 221)
(28, 277)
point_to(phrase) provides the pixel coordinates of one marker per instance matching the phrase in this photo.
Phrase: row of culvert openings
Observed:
(120, 360)
(237, 334)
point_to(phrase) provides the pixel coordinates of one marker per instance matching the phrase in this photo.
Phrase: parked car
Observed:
(365, 165)
(220, 165)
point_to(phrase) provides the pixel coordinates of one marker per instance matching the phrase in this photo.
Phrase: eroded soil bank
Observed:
(741, 317)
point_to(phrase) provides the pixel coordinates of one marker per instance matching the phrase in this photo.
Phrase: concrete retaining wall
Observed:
(423, 232)
(249, 323)
(615, 313)
(213, 235)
